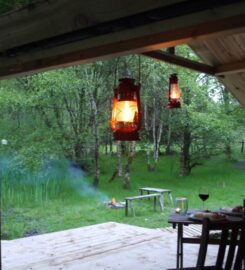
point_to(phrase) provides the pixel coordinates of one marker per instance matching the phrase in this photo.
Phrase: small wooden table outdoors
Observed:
(180, 220)
(158, 190)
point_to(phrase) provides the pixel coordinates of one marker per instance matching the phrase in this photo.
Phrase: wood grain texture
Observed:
(55, 250)
(172, 33)
(103, 246)
(216, 34)
(52, 18)
(227, 53)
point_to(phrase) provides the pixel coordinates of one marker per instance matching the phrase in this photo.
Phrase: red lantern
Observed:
(173, 93)
(125, 120)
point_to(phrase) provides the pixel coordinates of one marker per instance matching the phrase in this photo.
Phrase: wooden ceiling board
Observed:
(225, 50)
(235, 83)
(58, 33)
(52, 18)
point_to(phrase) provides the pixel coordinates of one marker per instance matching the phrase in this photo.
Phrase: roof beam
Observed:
(181, 61)
(230, 68)
(219, 70)
(95, 49)
(76, 19)
(166, 29)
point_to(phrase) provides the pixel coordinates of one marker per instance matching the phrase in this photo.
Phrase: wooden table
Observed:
(160, 191)
(183, 220)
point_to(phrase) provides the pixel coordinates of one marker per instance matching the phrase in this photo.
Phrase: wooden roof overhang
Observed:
(57, 33)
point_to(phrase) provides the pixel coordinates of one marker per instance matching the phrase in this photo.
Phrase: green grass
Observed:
(62, 199)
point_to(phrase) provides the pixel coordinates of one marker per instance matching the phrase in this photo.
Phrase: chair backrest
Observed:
(232, 236)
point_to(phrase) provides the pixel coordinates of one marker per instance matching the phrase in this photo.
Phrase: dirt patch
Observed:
(25, 225)
(31, 233)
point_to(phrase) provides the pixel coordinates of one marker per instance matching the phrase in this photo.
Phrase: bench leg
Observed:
(130, 204)
(141, 192)
(161, 202)
(126, 208)
(171, 198)
(155, 202)
(132, 208)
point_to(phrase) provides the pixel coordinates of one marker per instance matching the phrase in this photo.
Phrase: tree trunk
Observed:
(118, 170)
(111, 147)
(158, 142)
(147, 144)
(97, 165)
(96, 139)
(119, 159)
(204, 146)
(154, 132)
(226, 97)
(185, 159)
(126, 180)
(78, 149)
(242, 145)
(148, 157)
(106, 145)
(228, 151)
(168, 150)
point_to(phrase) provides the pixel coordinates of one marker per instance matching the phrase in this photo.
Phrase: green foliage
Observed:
(49, 115)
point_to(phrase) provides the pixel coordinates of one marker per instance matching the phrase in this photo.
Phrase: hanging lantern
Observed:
(173, 93)
(125, 120)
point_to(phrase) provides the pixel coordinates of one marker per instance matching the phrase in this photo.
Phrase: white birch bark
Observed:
(147, 145)
(158, 141)
(96, 138)
(126, 180)
(119, 159)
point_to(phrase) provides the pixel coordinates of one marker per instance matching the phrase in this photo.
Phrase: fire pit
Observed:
(114, 204)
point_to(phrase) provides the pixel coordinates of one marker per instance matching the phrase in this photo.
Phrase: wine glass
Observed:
(203, 195)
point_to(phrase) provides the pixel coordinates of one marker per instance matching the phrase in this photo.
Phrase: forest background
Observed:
(65, 114)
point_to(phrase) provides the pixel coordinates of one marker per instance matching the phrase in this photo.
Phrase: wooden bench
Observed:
(129, 201)
(161, 191)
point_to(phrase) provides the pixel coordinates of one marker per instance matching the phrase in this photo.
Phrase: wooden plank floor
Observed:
(109, 246)
(188, 231)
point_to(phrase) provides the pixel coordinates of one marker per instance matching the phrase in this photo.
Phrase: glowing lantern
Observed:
(173, 93)
(125, 121)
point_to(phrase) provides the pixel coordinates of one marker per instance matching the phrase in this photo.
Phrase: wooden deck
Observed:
(107, 246)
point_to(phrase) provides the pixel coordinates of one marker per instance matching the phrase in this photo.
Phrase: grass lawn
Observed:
(34, 207)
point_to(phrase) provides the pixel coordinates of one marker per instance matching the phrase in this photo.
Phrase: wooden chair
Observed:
(232, 236)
